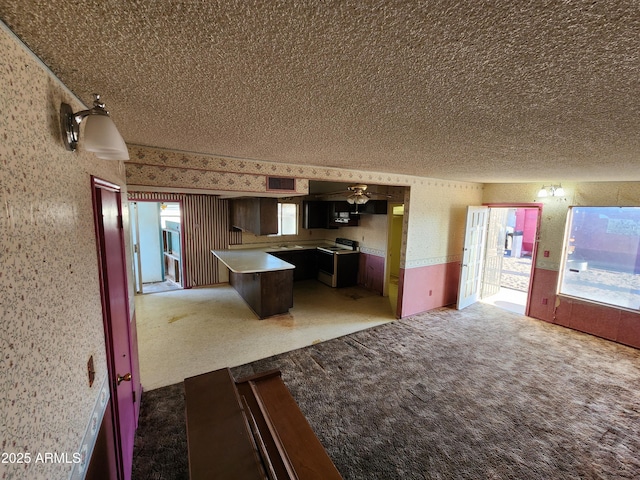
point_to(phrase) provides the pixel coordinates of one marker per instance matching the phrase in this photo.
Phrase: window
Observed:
(602, 255)
(287, 219)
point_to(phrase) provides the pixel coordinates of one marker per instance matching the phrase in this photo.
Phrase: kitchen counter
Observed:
(262, 280)
(251, 261)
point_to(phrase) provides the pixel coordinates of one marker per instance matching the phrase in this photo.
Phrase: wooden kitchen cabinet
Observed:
(255, 215)
(376, 207)
(315, 214)
(305, 261)
(371, 272)
(267, 293)
(342, 214)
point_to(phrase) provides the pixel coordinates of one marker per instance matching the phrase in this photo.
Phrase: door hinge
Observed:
(135, 248)
(120, 222)
(134, 396)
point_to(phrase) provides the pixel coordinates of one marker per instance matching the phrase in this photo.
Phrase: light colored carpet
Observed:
(188, 332)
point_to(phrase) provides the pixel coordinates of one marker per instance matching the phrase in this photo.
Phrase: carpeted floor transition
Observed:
(481, 393)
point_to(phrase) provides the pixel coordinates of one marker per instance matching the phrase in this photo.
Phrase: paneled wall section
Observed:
(205, 220)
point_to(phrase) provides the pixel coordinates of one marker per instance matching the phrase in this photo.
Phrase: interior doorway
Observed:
(505, 253)
(157, 245)
(395, 226)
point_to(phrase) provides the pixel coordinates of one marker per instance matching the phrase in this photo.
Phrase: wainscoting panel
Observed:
(543, 294)
(428, 287)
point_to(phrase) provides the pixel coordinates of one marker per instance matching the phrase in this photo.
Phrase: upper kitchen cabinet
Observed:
(342, 214)
(256, 215)
(375, 207)
(315, 214)
(335, 214)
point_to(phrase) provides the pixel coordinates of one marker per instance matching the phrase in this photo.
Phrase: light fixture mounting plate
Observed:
(69, 128)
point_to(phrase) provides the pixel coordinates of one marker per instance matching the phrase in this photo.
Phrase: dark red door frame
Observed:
(96, 185)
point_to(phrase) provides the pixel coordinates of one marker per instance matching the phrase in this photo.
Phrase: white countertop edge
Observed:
(251, 261)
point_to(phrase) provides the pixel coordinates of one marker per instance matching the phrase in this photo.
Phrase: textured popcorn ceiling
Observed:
(487, 91)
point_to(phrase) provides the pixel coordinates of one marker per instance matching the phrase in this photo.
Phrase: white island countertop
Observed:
(251, 261)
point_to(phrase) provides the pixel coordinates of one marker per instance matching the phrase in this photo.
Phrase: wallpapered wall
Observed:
(50, 313)
(371, 233)
(555, 209)
(437, 213)
(437, 205)
(608, 322)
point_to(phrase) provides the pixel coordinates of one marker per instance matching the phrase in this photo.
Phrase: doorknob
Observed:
(123, 378)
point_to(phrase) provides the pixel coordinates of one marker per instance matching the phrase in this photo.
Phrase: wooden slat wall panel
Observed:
(206, 225)
(155, 196)
(205, 219)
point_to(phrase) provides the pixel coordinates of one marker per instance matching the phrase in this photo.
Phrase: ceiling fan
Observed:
(356, 195)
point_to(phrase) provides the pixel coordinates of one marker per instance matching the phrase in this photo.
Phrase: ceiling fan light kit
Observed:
(359, 195)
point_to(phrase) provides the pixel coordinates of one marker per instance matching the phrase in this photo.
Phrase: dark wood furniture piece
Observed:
(266, 293)
(250, 429)
(256, 215)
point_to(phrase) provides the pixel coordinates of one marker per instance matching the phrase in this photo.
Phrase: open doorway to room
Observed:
(396, 220)
(157, 246)
(506, 283)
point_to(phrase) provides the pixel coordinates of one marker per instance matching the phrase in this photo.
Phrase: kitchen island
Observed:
(262, 280)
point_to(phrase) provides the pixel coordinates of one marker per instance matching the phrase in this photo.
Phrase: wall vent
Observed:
(281, 184)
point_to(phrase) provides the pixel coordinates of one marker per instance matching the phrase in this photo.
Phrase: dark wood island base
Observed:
(267, 293)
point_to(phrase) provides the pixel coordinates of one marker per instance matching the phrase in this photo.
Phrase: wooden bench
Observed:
(250, 429)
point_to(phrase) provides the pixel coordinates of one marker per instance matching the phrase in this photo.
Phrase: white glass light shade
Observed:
(102, 137)
(351, 199)
(362, 199)
(559, 192)
(113, 156)
(542, 192)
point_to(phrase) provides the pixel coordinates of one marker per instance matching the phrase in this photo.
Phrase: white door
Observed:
(475, 237)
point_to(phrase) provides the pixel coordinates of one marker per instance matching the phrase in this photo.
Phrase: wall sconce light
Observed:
(100, 133)
(551, 190)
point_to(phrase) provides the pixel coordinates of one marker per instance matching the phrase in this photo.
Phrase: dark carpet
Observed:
(481, 393)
